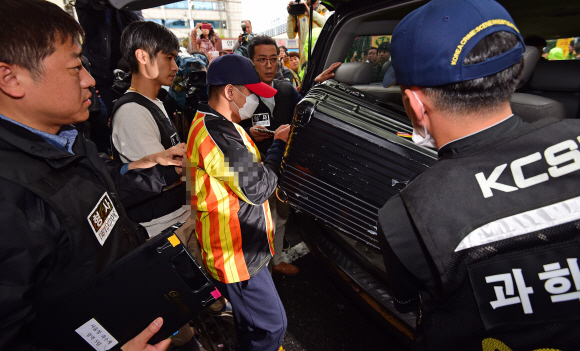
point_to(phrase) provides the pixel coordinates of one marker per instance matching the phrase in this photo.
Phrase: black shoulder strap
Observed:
(141, 100)
(137, 98)
(43, 186)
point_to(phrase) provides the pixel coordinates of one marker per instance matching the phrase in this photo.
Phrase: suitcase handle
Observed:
(185, 267)
(206, 285)
(284, 198)
(304, 111)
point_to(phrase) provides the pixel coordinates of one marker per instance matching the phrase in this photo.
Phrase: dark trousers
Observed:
(259, 316)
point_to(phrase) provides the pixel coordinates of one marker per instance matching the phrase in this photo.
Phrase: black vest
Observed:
(478, 216)
(73, 192)
(283, 113)
(172, 199)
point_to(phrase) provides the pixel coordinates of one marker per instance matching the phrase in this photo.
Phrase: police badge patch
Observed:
(102, 218)
(261, 119)
(175, 139)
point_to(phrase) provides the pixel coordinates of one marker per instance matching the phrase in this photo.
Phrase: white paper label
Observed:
(229, 44)
(103, 218)
(96, 336)
(261, 119)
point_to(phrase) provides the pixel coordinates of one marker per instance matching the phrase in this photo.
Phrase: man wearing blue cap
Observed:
(484, 245)
(230, 190)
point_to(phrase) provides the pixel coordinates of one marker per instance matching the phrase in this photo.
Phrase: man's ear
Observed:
(142, 56)
(147, 65)
(9, 80)
(416, 104)
(229, 92)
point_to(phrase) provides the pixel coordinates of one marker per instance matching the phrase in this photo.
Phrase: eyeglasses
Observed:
(264, 61)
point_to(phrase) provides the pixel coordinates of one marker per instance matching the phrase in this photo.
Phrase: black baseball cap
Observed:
(237, 70)
(428, 46)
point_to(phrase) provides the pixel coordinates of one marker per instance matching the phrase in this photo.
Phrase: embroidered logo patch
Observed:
(103, 218)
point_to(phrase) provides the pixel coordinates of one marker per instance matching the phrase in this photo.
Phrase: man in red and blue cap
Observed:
(230, 187)
(484, 245)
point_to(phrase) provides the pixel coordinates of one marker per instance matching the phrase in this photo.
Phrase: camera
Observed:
(244, 27)
(197, 79)
(121, 82)
(297, 8)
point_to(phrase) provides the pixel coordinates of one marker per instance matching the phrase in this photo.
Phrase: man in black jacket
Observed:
(485, 253)
(62, 219)
(271, 114)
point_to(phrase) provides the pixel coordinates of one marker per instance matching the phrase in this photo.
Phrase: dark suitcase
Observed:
(158, 279)
(344, 159)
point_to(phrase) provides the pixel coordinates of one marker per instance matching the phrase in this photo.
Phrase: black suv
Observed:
(349, 150)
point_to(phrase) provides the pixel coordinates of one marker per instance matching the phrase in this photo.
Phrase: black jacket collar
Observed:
(19, 138)
(481, 137)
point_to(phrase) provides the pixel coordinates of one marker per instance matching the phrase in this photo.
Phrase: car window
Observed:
(560, 49)
(374, 49)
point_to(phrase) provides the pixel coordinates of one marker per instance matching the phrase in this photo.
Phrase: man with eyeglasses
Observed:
(271, 114)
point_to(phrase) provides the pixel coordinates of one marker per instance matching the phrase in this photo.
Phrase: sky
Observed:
(262, 12)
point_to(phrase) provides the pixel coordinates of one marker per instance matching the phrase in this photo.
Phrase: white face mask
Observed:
(417, 138)
(249, 107)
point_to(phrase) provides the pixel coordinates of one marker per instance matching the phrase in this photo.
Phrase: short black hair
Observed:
(373, 48)
(283, 47)
(481, 94)
(293, 54)
(384, 47)
(216, 90)
(261, 40)
(149, 36)
(577, 48)
(26, 43)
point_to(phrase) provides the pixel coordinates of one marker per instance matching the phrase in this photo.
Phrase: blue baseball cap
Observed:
(429, 44)
(237, 70)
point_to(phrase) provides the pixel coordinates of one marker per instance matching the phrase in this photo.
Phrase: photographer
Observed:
(240, 47)
(299, 24)
(208, 41)
(187, 90)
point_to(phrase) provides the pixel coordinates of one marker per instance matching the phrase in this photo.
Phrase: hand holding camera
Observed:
(242, 36)
(298, 8)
